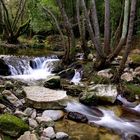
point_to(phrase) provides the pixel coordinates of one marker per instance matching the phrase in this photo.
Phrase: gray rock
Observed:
(44, 98)
(28, 136)
(20, 114)
(32, 123)
(34, 114)
(53, 114)
(53, 82)
(46, 121)
(44, 138)
(9, 85)
(127, 76)
(11, 98)
(105, 73)
(98, 94)
(49, 132)
(28, 111)
(62, 136)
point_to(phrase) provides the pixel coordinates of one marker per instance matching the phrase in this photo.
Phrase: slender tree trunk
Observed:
(81, 26)
(98, 48)
(57, 25)
(71, 48)
(129, 38)
(124, 32)
(107, 28)
(95, 22)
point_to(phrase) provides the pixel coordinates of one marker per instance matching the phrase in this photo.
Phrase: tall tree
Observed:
(69, 54)
(12, 25)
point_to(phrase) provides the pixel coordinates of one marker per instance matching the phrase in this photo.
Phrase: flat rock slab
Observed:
(44, 98)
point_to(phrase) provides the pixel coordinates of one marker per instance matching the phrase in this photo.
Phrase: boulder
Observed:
(32, 123)
(68, 73)
(78, 117)
(28, 136)
(12, 98)
(127, 76)
(4, 68)
(53, 82)
(44, 98)
(49, 132)
(46, 121)
(53, 114)
(12, 125)
(99, 94)
(9, 85)
(106, 73)
(62, 136)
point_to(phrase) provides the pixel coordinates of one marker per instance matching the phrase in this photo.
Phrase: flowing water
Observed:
(106, 118)
(39, 68)
(30, 69)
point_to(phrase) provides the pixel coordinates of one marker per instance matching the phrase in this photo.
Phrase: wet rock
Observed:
(78, 117)
(99, 94)
(135, 60)
(44, 138)
(28, 111)
(68, 73)
(20, 114)
(33, 64)
(106, 73)
(2, 87)
(49, 132)
(32, 123)
(12, 125)
(4, 68)
(34, 114)
(44, 98)
(9, 85)
(12, 98)
(73, 90)
(62, 136)
(53, 82)
(28, 136)
(46, 121)
(127, 76)
(53, 114)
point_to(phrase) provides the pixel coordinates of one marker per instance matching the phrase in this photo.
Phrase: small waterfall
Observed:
(106, 118)
(77, 77)
(27, 68)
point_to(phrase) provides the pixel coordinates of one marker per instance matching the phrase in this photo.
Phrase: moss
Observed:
(132, 88)
(135, 58)
(12, 125)
(100, 80)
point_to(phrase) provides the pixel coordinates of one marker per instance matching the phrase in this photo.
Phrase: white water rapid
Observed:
(106, 118)
(21, 67)
(77, 77)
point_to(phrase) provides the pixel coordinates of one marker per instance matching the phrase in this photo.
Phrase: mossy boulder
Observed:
(99, 94)
(12, 125)
(96, 79)
(130, 91)
(53, 82)
(135, 60)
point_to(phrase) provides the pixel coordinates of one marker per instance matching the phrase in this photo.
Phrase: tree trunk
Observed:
(129, 39)
(107, 28)
(124, 32)
(71, 39)
(98, 48)
(81, 26)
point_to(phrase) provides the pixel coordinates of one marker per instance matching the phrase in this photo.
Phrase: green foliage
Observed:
(40, 20)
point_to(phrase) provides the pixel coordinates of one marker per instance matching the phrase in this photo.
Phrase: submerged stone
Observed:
(44, 98)
(12, 125)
